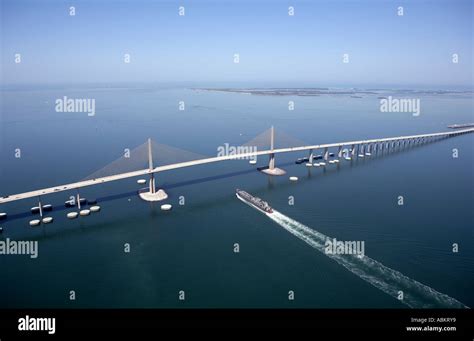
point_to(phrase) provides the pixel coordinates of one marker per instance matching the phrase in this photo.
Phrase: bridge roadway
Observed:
(85, 183)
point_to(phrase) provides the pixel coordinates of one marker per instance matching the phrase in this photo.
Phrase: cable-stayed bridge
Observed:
(148, 156)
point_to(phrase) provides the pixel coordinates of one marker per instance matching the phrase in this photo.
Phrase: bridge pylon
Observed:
(272, 170)
(152, 194)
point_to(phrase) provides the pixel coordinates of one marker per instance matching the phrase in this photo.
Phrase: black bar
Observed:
(356, 322)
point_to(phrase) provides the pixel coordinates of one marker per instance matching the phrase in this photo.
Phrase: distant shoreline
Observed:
(352, 92)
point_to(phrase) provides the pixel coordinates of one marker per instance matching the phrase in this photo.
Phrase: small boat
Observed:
(253, 162)
(92, 201)
(35, 210)
(309, 164)
(368, 154)
(95, 208)
(336, 161)
(293, 178)
(70, 203)
(331, 154)
(141, 181)
(317, 164)
(322, 163)
(348, 158)
(361, 155)
(3, 216)
(331, 161)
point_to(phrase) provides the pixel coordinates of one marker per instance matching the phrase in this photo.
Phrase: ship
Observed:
(255, 202)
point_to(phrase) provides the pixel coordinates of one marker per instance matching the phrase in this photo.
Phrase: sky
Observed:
(384, 48)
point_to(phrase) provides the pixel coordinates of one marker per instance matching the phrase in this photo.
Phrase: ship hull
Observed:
(252, 205)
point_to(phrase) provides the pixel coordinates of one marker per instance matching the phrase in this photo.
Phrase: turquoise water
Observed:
(191, 247)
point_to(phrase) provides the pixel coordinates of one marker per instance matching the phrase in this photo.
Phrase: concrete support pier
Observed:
(152, 194)
(40, 207)
(272, 170)
(78, 198)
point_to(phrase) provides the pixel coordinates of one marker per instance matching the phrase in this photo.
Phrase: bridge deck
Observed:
(85, 183)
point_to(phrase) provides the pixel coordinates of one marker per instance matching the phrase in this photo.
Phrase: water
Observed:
(395, 284)
(191, 247)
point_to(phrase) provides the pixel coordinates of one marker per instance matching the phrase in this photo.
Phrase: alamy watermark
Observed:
(19, 247)
(338, 247)
(245, 152)
(86, 105)
(410, 105)
(28, 323)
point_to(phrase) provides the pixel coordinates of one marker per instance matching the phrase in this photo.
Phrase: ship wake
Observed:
(415, 294)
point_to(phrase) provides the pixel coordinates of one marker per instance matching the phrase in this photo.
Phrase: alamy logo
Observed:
(37, 324)
(228, 150)
(337, 247)
(390, 104)
(76, 105)
(19, 247)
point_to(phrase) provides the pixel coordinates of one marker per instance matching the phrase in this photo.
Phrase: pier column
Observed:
(150, 167)
(272, 170)
(152, 183)
(310, 157)
(339, 152)
(40, 207)
(152, 194)
(78, 198)
(326, 154)
(271, 163)
(369, 148)
(353, 150)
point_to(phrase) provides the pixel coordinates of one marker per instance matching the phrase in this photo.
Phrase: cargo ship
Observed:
(255, 202)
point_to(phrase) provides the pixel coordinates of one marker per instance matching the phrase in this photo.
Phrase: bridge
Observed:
(152, 194)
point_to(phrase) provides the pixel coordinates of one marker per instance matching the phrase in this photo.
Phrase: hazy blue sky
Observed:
(383, 48)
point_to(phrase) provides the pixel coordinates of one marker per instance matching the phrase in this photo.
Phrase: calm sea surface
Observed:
(191, 248)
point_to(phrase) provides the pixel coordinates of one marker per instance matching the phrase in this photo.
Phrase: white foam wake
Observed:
(415, 294)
